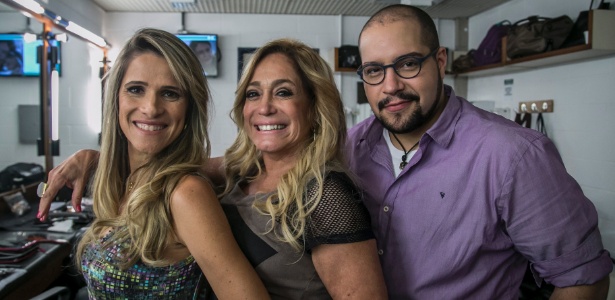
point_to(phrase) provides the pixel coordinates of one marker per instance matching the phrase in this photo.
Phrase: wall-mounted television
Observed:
(205, 46)
(20, 58)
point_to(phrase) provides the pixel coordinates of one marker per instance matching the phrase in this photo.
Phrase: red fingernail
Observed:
(78, 208)
(38, 215)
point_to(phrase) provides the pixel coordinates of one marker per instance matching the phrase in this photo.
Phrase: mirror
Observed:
(79, 94)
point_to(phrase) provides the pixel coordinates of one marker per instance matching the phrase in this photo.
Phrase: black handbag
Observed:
(536, 34)
(19, 174)
(581, 24)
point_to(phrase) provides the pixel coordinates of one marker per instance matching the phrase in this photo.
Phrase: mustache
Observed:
(401, 95)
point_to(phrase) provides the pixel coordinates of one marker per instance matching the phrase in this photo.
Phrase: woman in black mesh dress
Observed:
(292, 205)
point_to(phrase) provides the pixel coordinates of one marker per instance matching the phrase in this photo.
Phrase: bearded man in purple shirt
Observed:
(461, 199)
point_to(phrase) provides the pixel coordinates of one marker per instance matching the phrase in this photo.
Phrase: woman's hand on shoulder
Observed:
(214, 169)
(202, 227)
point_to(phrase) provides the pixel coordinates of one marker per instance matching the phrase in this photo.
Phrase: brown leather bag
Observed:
(536, 34)
(464, 62)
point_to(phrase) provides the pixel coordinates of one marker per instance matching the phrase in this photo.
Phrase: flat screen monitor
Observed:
(20, 58)
(205, 46)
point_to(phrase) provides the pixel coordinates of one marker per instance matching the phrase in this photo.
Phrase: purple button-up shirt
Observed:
(480, 198)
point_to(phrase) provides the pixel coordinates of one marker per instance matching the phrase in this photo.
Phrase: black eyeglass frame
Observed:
(420, 60)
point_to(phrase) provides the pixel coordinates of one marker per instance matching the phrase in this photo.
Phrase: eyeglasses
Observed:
(407, 66)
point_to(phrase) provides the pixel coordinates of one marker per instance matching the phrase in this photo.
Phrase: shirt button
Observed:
(386, 209)
(380, 252)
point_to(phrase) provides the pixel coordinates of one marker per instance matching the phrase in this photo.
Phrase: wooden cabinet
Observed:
(601, 42)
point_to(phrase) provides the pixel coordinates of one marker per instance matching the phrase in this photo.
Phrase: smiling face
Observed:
(152, 108)
(203, 52)
(276, 108)
(403, 105)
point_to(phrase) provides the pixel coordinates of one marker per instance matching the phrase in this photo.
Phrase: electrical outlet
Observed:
(537, 106)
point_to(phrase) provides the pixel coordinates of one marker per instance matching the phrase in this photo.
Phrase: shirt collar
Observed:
(443, 129)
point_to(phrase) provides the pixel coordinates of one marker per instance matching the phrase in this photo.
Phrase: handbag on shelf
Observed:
(464, 62)
(577, 33)
(490, 49)
(535, 34)
(581, 25)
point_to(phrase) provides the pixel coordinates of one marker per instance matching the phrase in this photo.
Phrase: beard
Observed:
(399, 123)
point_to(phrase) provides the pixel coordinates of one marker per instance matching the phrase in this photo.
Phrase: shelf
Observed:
(601, 43)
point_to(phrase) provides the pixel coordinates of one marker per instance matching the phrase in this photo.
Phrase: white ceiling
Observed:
(444, 9)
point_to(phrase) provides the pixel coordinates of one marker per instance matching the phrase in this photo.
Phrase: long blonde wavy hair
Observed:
(289, 206)
(146, 213)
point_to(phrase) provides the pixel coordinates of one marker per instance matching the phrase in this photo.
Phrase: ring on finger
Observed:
(40, 190)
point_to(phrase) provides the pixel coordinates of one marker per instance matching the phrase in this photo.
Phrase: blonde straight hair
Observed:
(289, 206)
(146, 214)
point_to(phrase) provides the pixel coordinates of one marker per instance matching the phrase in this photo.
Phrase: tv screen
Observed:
(205, 46)
(19, 58)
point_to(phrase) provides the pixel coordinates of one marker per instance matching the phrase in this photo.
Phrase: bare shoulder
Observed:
(191, 189)
(195, 208)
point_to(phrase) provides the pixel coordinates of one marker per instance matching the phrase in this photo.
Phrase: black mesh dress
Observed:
(339, 218)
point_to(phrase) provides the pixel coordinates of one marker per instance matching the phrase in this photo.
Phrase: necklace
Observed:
(131, 182)
(405, 156)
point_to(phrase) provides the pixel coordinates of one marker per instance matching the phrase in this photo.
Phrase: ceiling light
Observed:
(86, 34)
(29, 37)
(61, 37)
(45, 16)
(31, 5)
